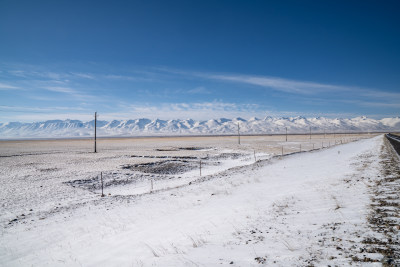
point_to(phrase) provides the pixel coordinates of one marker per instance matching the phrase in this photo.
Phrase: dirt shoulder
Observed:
(384, 219)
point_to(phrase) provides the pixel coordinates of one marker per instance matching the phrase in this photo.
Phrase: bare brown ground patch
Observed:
(385, 215)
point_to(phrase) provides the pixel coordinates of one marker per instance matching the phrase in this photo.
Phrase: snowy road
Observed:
(307, 208)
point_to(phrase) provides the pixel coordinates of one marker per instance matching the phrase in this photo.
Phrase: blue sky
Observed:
(198, 59)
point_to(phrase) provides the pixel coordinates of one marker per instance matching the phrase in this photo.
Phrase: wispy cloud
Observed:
(120, 77)
(200, 110)
(364, 96)
(377, 104)
(33, 73)
(84, 75)
(37, 113)
(33, 117)
(77, 94)
(7, 87)
(173, 93)
(284, 85)
(58, 89)
(325, 91)
(274, 83)
(18, 73)
(210, 110)
(199, 90)
(52, 75)
(381, 94)
(37, 109)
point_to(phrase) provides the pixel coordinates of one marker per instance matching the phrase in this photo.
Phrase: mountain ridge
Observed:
(222, 126)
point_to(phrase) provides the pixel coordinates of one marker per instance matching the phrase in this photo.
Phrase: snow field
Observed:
(295, 210)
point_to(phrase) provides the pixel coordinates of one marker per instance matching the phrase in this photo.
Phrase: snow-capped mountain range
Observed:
(157, 127)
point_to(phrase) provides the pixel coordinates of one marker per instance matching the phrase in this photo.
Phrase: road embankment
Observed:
(394, 141)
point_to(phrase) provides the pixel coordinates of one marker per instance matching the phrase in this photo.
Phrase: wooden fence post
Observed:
(102, 186)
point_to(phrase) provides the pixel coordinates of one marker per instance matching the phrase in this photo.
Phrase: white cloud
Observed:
(84, 75)
(74, 93)
(381, 94)
(30, 114)
(276, 83)
(58, 89)
(326, 92)
(119, 77)
(52, 75)
(31, 117)
(199, 90)
(37, 109)
(198, 111)
(378, 104)
(18, 73)
(7, 87)
(284, 85)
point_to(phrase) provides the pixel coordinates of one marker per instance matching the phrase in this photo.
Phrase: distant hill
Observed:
(147, 127)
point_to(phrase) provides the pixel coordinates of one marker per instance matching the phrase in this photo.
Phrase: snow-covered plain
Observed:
(297, 210)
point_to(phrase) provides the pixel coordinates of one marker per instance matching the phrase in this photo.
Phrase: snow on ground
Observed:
(297, 210)
(230, 160)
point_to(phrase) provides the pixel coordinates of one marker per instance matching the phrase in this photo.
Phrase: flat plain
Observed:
(179, 198)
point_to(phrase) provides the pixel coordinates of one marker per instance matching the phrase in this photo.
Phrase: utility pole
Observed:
(286, 134)
(95, 132)
(238, 133)
(310, 132)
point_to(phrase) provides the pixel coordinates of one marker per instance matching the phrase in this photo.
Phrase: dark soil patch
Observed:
(162, 157)
(109, 179)
(229, 155)
(192, 148)
(49, 170)
(167, 149)
(163, 167)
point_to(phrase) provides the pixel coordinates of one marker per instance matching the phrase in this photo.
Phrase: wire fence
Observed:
(273, 151)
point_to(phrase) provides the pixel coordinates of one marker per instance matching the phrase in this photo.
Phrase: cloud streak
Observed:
(84, 75)
(279, 84)
(84, 96)
(275, 83)
(199, 90)
(330, 92)
(199, 111)
(168, 93)
(64, 90)
(4, 86)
